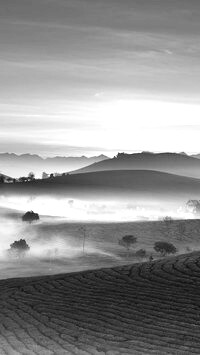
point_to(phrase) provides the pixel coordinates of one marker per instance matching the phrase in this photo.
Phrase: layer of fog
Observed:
(88, 210)
(62, 241)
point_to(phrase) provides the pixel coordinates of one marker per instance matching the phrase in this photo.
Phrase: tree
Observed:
(2, 179)
(31, 176)
(9, 180)
(30, 216)
(164, 248)
(19, 247)
(23, 179)
(141, 253)
(193, 206)
(127, 241)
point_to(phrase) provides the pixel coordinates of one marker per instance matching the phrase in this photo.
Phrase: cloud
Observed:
(64, 64)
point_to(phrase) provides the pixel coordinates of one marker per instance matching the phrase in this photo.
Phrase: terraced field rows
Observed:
(149, 308)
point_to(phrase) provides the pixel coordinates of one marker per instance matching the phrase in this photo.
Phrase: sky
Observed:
(99, 76)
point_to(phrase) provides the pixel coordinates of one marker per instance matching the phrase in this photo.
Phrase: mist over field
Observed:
(56, 240)
(100, 209)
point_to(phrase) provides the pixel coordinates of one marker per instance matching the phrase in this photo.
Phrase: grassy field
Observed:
(56, 246)
(146, 308)
(103, 301)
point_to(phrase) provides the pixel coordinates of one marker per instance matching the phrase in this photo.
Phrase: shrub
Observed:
(164, 248)
(30, 216)
(141, 253)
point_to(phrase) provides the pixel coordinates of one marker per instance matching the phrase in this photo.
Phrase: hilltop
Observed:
(138, 183)
(173, 163)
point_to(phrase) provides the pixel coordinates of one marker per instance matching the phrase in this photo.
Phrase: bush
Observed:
(141, 253)
(30, 216)
(19, 247)
(164, 248)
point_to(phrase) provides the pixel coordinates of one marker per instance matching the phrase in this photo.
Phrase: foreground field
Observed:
(149, 308)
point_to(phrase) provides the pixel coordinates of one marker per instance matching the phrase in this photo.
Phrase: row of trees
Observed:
(30, 177)
(161, 247)
(5, 179)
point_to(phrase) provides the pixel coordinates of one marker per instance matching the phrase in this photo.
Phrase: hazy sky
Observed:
(91, 76)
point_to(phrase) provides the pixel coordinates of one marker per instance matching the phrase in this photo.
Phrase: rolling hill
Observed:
(172, 163)
(141, 183)
(4, 177)
(141, 309)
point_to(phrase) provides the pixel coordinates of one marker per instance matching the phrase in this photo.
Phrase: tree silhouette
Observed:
(19, 247)
(30, 216)
(127, 241)
(141, 253)
(9, 179)
(164, 248)
(2, 179)
(193, 206)
(31, 176)
(23, 179)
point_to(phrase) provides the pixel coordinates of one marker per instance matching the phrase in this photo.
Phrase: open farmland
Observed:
(56, 246)
(149, 308)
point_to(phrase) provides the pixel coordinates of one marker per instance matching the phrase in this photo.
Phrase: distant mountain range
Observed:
(20, 165)
(173, 163)
(179, 164)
